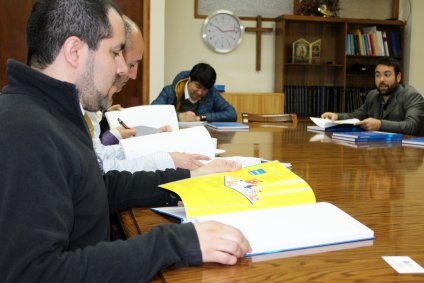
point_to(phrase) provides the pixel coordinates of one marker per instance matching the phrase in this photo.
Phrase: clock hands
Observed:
(224, 31)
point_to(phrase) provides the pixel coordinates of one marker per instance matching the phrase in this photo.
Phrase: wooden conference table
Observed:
(383, 187)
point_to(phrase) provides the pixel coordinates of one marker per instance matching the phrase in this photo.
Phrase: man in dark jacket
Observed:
(195, 98)
(54, 201)
(390, 107)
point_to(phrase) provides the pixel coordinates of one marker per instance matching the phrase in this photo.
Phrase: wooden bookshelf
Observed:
(335, 68)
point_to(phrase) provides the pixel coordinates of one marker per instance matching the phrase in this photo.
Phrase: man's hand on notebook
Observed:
(370, 124)
(126, 133)
(187, 160)
(216, 166)
(221, 243)
(329, 115)
(165, 128)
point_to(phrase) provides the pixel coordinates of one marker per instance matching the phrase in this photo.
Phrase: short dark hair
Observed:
(389, 61)
(204, 74)
(52, 21)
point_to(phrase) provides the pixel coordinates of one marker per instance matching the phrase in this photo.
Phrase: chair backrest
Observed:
(250, 117)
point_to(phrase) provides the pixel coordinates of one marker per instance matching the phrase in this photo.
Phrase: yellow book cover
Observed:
(358, 33)
(265, 185)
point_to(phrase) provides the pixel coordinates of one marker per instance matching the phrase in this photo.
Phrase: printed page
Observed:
(294, 227)
(264, 185)
(154, 116)
(189, 140)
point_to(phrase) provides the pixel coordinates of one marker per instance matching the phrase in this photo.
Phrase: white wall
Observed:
(412, 11)
(176, 45)
(184, 48)
(157, 47)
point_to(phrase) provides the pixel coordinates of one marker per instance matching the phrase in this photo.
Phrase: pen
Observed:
(123, 124)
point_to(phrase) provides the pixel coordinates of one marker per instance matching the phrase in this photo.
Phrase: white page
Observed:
(189, 140)
(325, 123)
(145, 115)
(294, 227)
(243, 160)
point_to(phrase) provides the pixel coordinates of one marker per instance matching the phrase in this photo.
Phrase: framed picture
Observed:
(315, 51)
(300, 51)
(245, 9)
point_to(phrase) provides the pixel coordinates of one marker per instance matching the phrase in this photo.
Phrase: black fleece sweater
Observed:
(55, 202)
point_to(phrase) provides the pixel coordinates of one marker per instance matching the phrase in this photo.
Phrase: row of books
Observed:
(308, 101)
(355, 97)
(372, 42)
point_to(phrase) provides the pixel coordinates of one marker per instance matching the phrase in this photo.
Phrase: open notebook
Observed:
(149, 116)
(189, 140)
(274, 208)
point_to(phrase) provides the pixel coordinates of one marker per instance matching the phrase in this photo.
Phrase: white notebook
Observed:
(153, 116)
(288, 228)
(189, 140)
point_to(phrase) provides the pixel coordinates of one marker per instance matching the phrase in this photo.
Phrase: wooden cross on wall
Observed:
(259, 30)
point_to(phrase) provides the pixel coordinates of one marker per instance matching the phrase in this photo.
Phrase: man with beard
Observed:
(390, 107)
(109, 151)
(54, 201)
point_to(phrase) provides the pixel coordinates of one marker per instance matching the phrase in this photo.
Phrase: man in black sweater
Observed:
(54, 201)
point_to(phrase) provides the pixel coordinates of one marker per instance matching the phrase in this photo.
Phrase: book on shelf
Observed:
(366, 136)
(273, 207)
(228, 126)
(368, 41)
(419, 141)
(154, 116)
(190, 140)
(327, 125)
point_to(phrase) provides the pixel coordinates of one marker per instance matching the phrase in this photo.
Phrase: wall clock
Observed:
(222, 31)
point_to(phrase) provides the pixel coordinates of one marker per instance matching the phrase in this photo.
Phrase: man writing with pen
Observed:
(112, 157)
(112, 136)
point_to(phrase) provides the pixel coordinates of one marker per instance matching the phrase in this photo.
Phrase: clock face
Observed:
(222, 31)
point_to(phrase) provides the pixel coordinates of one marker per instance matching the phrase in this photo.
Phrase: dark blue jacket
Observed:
(212, 105)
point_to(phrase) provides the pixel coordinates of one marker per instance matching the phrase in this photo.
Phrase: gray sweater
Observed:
(403, 113)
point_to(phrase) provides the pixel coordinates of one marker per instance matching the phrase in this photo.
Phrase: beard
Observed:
(120, 81)
(90, 97)
(386, 89)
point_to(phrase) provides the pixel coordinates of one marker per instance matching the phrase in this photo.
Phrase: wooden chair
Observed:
(268, 118)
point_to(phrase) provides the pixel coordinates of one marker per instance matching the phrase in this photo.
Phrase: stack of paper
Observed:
(417, 142)
(228, 126)
(369, 136)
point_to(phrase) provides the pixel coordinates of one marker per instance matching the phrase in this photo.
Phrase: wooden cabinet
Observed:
(256, 103)
(338, 82)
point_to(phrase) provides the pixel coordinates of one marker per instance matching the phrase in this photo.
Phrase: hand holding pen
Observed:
(125, 131)
(123, 124)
